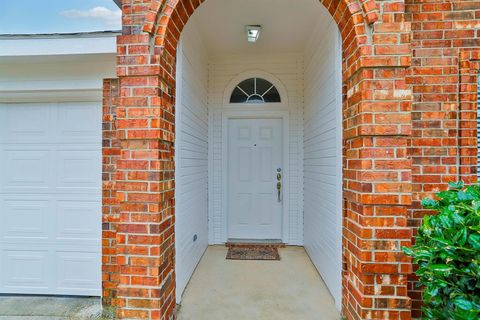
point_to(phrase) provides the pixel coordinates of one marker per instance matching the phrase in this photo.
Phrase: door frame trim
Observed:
(258, 114)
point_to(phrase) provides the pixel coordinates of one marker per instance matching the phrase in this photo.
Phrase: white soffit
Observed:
(58, 44)
(286, 24)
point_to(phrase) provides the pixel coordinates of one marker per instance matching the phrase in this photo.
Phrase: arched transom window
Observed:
(255, 90)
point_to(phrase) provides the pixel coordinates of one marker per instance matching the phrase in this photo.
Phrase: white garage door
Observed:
(50, 198)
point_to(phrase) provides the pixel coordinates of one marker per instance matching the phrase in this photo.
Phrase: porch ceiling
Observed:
(286, 24)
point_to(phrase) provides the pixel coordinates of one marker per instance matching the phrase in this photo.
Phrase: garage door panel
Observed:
(53, 219)
(28, 122)
(79, 169)
(50, 198)
(78, 121)
(24, 269)
(77, 220)
(25, 169)
(50, 169)
(40, 270)
(24, 219)
(73, 271)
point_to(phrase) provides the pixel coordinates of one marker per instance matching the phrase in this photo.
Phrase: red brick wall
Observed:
(441, 32)
(110, 154)
(395, 152)
(145, 180)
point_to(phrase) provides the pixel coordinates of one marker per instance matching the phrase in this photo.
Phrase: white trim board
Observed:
(52, 45)
(51, 90)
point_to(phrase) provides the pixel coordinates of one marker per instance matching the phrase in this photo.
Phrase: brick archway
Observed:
(139, 252)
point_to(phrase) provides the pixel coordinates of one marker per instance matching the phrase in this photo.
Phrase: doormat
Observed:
(255, 252)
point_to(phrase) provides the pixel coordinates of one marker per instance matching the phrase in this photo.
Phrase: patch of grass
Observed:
(108, 313)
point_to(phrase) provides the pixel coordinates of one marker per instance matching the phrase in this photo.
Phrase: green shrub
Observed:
(447, 251)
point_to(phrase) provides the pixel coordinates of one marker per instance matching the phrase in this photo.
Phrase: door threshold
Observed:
(255, 242)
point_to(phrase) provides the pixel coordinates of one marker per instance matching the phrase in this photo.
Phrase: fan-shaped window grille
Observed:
(255, 90)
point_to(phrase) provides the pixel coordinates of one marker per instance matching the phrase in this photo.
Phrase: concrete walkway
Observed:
(262, 290)
(51, 308)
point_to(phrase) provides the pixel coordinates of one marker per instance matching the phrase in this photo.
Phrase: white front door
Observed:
(254, 156)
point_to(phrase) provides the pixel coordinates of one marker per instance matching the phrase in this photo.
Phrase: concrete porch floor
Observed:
(288, 289)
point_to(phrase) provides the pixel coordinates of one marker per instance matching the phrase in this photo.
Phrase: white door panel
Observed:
(50, 198)
(254, 154)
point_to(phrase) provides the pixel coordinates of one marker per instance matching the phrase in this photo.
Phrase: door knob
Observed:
(279, 191)
(279, 185)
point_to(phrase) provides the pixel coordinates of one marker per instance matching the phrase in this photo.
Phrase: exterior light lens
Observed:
(253, 33)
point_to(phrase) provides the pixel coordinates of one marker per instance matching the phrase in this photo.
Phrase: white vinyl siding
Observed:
(191, 175)
(323, 154)
(288, 69)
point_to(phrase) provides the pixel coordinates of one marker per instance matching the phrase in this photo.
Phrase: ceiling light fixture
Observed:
(253, 32)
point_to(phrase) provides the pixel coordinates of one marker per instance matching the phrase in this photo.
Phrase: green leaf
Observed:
(445, 220)
(429, 203)
(409, 252)
(463, 196)
(463, 303)
(457, 218)
(460, 237)
(476, 205)
(440, 268)
(474, 240)
(456, 185)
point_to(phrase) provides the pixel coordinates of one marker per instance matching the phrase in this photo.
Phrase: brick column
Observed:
(377, 187)
(377, 174)
(145, 183)
(110, 207)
